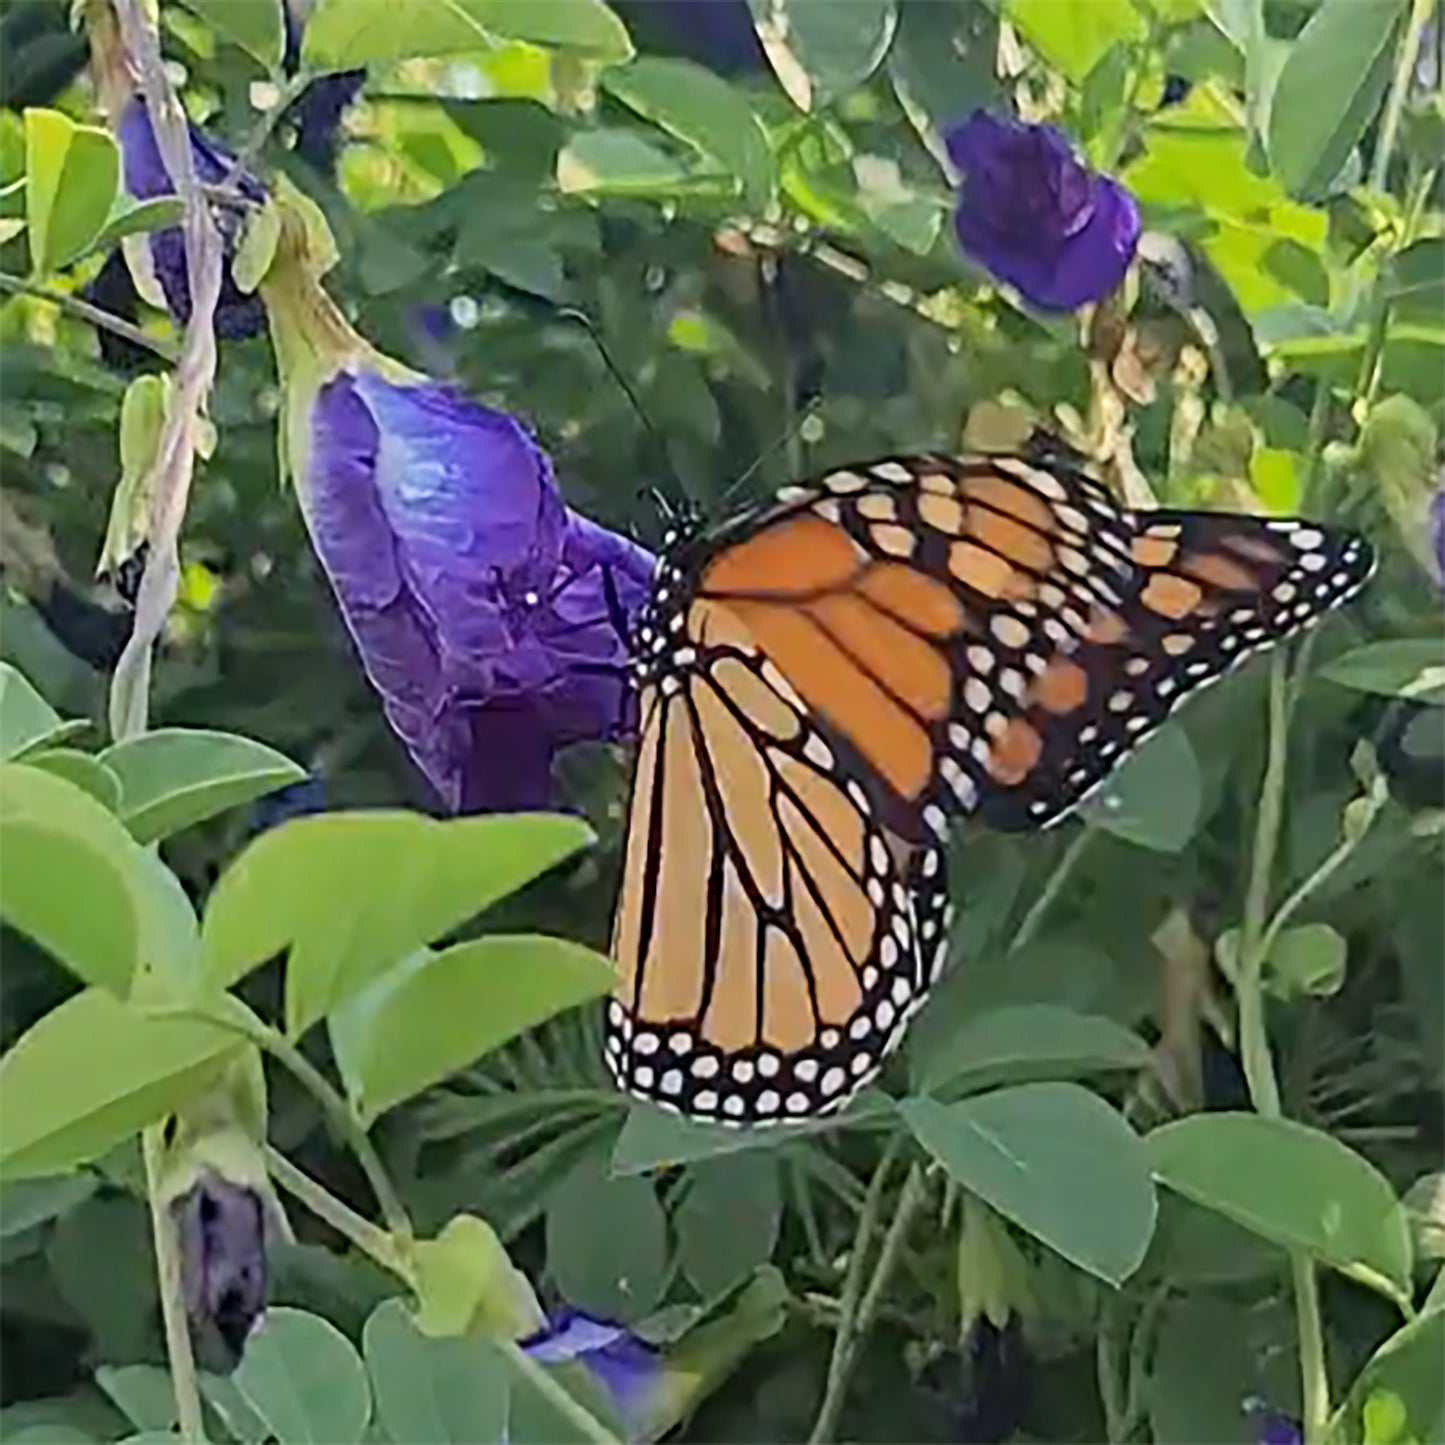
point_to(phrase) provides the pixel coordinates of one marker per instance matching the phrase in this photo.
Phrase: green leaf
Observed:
(255, 25)
(618, 162)
(351, 893)
(345, 33)
(175, 777)
(465, 1284)
(624, 1280)
(440, 1012)
(1015, 1045)
(60, 844)
(1402, 1381)
(655, 1138)
(1346, 53)
(95, 1071)
(71, 174)
(942, 65)
(1074, 35)
(820, 50)
(1417, 280)
(29, 1202)
(727, 1223)
(1412, 667)
(143, 412)
(301, 1375)
(444, 1391)
(1155, 799)
(1293, 1185)
(134, 218)
(27, 721)
(142, 1393)
(82, 770)
(1057, 1161)
(703, 111)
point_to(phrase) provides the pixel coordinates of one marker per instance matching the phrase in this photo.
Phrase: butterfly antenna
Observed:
(571, 313)
(771, 450)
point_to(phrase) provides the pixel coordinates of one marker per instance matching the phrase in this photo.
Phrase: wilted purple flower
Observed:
(1030, 213)
(1271, 1426)
(632, 1372)
(491, 619)
(222, 1229)
(1437, 530)
(145, 176)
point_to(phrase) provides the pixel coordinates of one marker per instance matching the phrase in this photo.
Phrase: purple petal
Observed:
(492, 621)
(145, 176)
(1094, 261)
(1437, 530)
(629, 1369)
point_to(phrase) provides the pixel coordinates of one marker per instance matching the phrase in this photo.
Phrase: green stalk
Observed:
(179, 1356)
(1399, 88)
(78, 307)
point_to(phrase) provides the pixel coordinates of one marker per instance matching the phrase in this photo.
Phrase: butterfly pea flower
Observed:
(628, 1369)
(1033, 215)
(491, 619)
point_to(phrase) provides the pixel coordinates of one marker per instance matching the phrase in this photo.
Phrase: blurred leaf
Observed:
(1405, 1369)
(442, 1011)
(350, 894)
(303, 1378)
(173, 778)
(1345, 52)
(29, 1202)
(255, 25)
(1015, 1045)
(1155, 799)
(703, 111)
(623, 1281)
(143, 1393)
(444, 1391)
(465, 1282)
(1417, 280)
(820, 50)
(26, 720)
(71, 176)
(93, 1072)
(1412, 667)
(82, 770)
(1056, 1160)
(60, 844)
(345, 33)
(727, 1223)
(102, 1260)
(1074, 35)
(942, 65)
(1293, 1185)
(620, 162)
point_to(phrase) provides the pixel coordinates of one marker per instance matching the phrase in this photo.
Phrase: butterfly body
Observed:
(825, 680)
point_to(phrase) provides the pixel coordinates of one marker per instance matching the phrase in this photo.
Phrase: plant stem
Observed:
(79, 307)
(346, 1124)
(849, 1302)
(1053, 886)
(1399, 88)
(588, 1425)
(179, 1355)
(1107, 1370)
(1254, 1040)
(361, 1232)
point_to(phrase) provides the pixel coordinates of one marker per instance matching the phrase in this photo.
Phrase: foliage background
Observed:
(746, 260)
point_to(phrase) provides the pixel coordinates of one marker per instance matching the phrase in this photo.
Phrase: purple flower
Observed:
(1270, 1425)
(1437, 531)
(145, 174)
(632, 1373)
(1036, 218)
(492, 620)
(222, 1231)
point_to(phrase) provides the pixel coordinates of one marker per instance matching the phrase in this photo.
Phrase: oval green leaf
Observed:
(255, 25)
(345, 33)
(351, 893)
(1403, 1380)
(92, 1073)
(1155, 799)
(1412, 667)
(1073, 36)
(303, 1378)
(727, 1223)
(443, 1011)
(1057, 1161)
(1017, 1045)
(820, 50)
(27, 721)
(175, 777)
(71, 175)
(1293, 1185)
(1345, 52)
(445, 1391)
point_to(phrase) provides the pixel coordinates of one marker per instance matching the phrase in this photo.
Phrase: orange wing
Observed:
(772, 938)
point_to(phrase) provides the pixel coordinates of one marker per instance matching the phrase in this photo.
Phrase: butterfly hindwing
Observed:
(773, 937)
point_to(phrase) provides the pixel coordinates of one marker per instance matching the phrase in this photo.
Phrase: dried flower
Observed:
(1030, 213)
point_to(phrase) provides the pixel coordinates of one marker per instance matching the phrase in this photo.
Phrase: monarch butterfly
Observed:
(827, 678)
